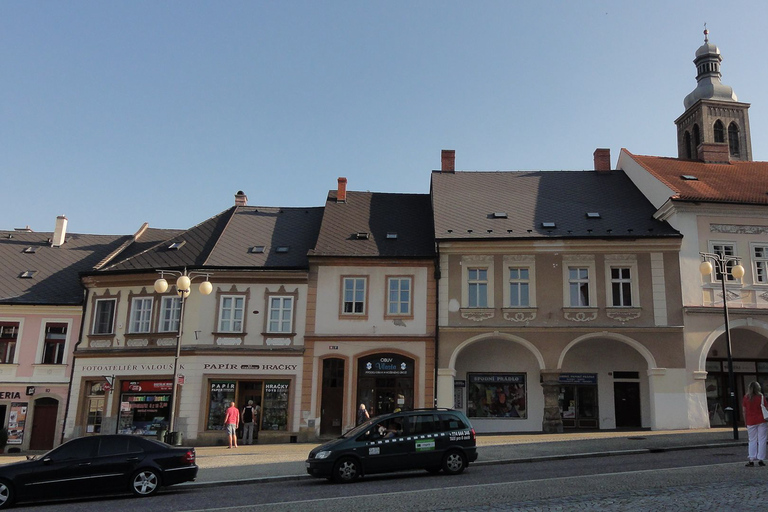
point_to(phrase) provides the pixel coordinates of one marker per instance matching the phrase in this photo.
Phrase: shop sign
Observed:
(714, 366)
(259, 367)
(9, 395)
(386, 364)
(578, 378)
(744, 366)
(147, 386)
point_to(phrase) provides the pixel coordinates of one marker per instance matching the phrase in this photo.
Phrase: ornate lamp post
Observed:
(721, 262)
(183, 288)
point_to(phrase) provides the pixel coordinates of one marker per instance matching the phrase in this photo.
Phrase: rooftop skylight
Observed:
(593, 215)
(256, 249)
(689, 177)
(548, 225)
(282, 248)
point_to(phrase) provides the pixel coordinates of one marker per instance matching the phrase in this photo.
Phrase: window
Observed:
(104, 319)
(354, 295)
(578, 286)
(280, 314)
(477, 287)
(621, 286)
(170, 311)
(760, 262)
(399, 296)
(141, 314)
(519, 285)
(9, 333)
(724, 250)
(733, 139)
(95, 406)
(231, 313)
(719, 131)
(687, 144)
(54, 343)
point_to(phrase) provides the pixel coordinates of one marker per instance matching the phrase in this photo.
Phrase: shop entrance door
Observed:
(44, 424)
(250, 390)
(626, 401)
(332, 402)
(578, 406)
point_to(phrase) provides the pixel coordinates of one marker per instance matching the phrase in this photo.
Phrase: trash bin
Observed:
(174, 438)
(161, 434)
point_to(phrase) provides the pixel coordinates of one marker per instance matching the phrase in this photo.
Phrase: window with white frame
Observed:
(760, 263)
(354, 295)
(231, 311)
(621, 286)
(578, 287)
(104, 317)
(280, 314)
(519, 287)
(9, 334)
(399, 296)
(54, 343)
(141, 315)
(477, 287)
(724, 250)
(170, 312)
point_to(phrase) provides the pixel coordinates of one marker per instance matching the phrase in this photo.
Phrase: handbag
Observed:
(764, 409)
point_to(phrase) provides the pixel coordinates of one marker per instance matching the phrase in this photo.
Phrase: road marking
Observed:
(252, 506)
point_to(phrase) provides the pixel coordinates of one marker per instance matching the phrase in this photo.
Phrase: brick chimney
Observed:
(602, 159)
(341, 193)
(241, 199)
(60, 232)
(448, 159)
(714, 153)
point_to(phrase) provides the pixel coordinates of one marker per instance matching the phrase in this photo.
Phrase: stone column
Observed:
(553, 422)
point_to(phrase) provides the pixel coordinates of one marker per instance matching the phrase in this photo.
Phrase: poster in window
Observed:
(221, 394)
(496, 395)
(16, 422)
(274, 414)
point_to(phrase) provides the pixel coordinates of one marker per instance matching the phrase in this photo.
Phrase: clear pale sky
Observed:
(118, 113)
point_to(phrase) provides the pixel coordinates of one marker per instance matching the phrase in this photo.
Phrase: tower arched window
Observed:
(719, 131)
(696, 137)
(733, 139)
(687, 144)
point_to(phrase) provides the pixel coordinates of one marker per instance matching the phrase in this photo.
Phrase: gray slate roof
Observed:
(465, 203)
(409, 216)
(224, 241)
(56, 280)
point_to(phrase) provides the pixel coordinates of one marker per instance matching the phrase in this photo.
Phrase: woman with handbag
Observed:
(754, 405)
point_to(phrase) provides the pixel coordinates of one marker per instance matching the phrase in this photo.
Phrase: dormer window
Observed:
(362, 235)
(175, 246)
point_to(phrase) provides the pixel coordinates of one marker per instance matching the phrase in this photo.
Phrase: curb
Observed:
(542, 458)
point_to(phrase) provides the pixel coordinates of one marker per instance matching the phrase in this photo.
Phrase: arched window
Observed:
(719, 131)
(696, 137)
(733, 139)
(687, 144)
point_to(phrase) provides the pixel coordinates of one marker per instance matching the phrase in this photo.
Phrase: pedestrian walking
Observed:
(362, 414)
(248, 417)
(231, 422)
(757, 428)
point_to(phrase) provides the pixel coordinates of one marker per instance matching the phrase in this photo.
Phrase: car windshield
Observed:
(359, 429)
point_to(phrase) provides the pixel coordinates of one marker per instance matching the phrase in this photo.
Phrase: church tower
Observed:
(715, 126)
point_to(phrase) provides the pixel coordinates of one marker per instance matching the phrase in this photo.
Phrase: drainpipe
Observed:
(72, 371)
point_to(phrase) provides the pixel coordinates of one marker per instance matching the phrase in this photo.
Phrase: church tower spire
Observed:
(715, 125)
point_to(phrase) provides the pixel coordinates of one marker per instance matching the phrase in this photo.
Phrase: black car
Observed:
(431, 439)
(97, 465)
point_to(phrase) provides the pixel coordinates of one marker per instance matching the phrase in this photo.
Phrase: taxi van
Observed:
(431, 439)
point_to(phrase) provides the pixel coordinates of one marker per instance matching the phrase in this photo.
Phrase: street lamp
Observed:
(183, 288)
(721, 262)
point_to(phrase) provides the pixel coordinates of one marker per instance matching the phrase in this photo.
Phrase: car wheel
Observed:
(454, 462)
(145, 482)
(6, 494)
(346, 470)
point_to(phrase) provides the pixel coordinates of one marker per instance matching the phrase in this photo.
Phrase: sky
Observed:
(124, 112)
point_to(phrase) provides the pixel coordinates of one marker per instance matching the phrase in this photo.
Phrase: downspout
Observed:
(72, 371)
(437, 321)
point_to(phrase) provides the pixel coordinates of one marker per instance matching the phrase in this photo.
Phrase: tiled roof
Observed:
(225, 241)
(56, 279)
(516, 204)
(378, 225)
(734, 182)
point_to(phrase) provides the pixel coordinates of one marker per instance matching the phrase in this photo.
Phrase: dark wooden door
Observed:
(44, 424)
(332, 404)
(626, 397)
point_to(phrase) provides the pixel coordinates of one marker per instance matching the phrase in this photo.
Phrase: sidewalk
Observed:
(278, 462)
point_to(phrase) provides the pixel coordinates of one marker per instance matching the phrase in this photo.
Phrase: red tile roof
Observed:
(734, 182)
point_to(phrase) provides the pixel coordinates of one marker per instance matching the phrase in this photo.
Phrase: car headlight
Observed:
(323, 454)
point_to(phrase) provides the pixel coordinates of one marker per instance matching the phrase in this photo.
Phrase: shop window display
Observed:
(501, 395)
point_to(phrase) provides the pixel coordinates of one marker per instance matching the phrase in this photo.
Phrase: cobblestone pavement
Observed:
(748, 495)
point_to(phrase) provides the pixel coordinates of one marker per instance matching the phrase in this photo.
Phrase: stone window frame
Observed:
(280, 293)
(613, 261)
(411, 279)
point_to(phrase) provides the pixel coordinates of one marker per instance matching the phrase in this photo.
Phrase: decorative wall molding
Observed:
(166, 342)
(620, 257)
(278, 341)
(519, 258)
(738, 229)
(623, 314)
(229, 341)
(577, 258)
(477, 259)
(519, 314)
(100, 343)
(580, 314)
(142, 342)
(477, 314)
